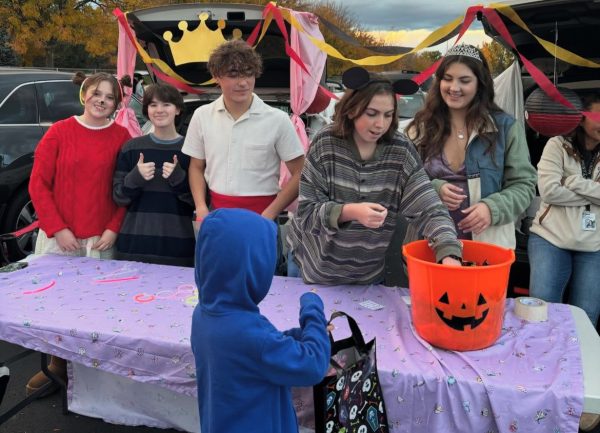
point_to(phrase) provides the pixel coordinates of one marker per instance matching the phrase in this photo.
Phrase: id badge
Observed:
(588, 221)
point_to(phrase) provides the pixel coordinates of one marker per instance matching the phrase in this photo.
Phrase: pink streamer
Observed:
(118, 280)
(31, 292)
(304, 79)
(125, 66)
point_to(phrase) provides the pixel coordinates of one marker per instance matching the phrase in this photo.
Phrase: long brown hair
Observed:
(355, 102)
(431, 126)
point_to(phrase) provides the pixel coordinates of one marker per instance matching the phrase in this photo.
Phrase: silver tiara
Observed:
(464, 50)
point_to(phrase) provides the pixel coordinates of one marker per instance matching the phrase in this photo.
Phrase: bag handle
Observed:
(356, 339)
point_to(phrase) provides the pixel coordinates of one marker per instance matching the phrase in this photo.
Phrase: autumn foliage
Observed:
(52, 32)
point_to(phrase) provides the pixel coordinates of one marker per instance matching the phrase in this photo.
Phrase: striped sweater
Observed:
(333, 175)
(158, 224)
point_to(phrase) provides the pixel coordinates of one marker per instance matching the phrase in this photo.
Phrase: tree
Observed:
(346, 22)
(498, 57)
(416, 62)
(7, 55)
(75, 56)
(336, 14)
(37, 28)
(42, 32)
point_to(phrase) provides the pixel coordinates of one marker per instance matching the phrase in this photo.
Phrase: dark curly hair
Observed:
(235, 55)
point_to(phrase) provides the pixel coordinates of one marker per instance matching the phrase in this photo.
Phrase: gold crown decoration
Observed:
(464, 50)
(197, 45)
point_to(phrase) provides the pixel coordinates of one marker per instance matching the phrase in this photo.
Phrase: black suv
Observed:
(30, 101)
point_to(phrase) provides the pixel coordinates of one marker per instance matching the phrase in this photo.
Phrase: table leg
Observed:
(54, 381)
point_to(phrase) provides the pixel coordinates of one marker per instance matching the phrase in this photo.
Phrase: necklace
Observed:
(460, 133)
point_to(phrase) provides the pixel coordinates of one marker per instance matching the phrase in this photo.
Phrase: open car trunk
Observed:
(151, 24)
(570, 24)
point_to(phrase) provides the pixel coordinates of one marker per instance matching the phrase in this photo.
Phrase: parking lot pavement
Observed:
(45, 415)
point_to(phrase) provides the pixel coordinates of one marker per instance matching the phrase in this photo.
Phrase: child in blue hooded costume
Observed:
(244, 365)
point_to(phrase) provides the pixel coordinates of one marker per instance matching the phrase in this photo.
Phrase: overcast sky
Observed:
(407, 22)
(406, 14)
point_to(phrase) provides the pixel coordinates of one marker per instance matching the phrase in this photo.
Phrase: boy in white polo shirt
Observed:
(237, 142)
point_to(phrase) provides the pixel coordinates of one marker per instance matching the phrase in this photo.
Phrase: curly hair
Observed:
(431, 126)
(355, 102)
(235, 56)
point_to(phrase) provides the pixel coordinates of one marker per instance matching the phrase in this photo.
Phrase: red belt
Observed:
(256, 203)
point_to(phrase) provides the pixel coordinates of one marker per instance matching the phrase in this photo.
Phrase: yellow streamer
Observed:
(263, 32)
(375, 60)
(551, 48)
(432, 38)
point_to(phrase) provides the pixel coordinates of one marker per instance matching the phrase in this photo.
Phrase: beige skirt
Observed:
(46, 245)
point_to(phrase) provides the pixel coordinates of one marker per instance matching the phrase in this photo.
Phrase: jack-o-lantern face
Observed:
(457, 318)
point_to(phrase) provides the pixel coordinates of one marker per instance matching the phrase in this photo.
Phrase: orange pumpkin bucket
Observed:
(458, 308)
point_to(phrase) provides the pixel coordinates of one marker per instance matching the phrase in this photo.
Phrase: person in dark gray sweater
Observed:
(360, 174)
(151, 181)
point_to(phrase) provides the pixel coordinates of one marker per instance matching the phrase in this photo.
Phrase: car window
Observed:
(409, 105)
(58, 100)
(135, 103)
(334, 86)
(20, 107)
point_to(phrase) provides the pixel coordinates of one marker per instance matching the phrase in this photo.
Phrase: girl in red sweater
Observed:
(71, 182)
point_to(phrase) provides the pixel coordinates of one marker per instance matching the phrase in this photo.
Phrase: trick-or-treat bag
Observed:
(349, 399)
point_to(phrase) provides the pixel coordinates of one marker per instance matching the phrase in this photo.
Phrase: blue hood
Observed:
(236, 254)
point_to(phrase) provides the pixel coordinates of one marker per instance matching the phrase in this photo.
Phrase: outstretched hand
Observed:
(146, 169)
(168, 167)
(451, 261)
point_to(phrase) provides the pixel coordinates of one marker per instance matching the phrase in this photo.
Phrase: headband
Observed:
(81, 98)
(465, 51)
(357, 78)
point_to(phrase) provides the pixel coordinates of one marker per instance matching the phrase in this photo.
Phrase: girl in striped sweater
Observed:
(360, 174)
(151, 181)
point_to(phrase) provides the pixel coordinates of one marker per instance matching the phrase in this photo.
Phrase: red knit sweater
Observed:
(71, 181)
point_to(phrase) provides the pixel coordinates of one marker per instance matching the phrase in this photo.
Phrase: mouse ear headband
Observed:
(82, 93)
(357, 78)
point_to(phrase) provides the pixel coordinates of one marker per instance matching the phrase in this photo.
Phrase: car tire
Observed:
(19, 214)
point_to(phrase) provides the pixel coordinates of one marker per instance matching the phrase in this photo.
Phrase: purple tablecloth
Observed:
(133, 319)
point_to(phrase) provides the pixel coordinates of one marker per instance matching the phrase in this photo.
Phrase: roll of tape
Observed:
(531, 309)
